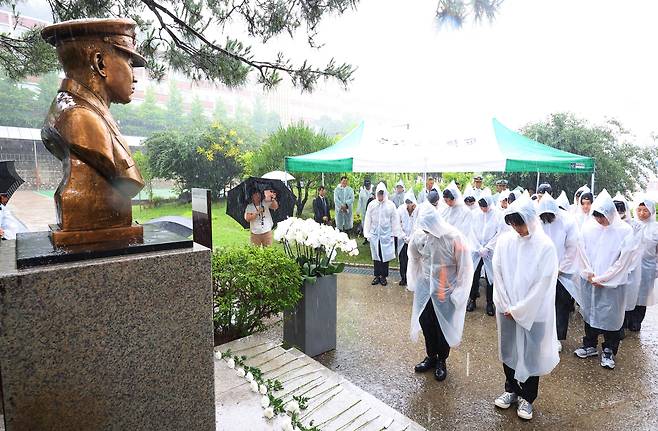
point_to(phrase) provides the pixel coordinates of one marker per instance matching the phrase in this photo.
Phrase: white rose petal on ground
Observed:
(268, 413)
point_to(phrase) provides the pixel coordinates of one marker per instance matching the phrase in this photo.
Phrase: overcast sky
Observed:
(595, 58)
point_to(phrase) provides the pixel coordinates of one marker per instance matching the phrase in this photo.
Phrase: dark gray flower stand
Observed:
(311, 325)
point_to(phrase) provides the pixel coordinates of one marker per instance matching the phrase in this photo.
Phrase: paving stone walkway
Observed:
(335, 404)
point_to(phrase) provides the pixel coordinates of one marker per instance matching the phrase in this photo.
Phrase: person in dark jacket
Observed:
(321, 211)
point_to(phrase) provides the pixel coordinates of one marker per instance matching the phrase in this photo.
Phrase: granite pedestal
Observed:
(121, 343)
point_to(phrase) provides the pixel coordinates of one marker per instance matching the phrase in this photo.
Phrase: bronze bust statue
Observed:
(93, 200)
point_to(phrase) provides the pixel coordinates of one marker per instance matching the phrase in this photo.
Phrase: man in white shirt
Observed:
(258, 215)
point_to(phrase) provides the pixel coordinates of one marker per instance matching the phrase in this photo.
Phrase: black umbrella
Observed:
(240, 196)
(10, 181)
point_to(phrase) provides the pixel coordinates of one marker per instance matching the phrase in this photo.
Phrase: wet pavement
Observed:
(375, 353)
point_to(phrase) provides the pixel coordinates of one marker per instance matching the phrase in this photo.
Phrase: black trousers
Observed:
(526, 390)
(435, 341)
(635, 317)
(381, 268)
(563, 304)
(404, 261)
(475, 287)
(610, 338)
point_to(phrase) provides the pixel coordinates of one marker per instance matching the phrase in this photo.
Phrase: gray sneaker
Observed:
(506, 400)
(585, 352)
(524, 410)
(608, 359)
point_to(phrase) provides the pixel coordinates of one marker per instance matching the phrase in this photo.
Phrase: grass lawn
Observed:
(226, 231)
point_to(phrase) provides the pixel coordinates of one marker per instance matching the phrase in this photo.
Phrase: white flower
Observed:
(249, 377)
(287, 424)
(218, 355)
(262, 389)
(268, 413)
(254, 387)
(240, 372)
(292, 407)
(265, 401)
(230, 362)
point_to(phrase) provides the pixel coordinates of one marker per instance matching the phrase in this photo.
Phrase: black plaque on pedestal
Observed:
(36, 248)
(202, 217)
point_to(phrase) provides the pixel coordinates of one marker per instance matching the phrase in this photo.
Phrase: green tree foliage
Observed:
(242, 303)
(142, 162)
(208, 158)
(174, 35)
(621, 164)
(23, 106)
(294, 140)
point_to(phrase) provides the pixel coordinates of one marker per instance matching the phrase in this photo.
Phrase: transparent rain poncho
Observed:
(608, 254)
(457, 215)
(440, 270)
(398, 198)
(564, 235)
(526, 270)
(563, 201)
(648, 234)
(407, 220)
(627, 214)
(468, 193)
(484, 231)
(381, 225)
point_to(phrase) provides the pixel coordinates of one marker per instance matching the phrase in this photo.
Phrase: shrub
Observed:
(251, 284)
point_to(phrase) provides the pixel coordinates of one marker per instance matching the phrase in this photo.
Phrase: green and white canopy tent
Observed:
(449, 148)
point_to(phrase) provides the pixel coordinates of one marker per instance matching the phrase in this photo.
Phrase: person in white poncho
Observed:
(382, 224)
(456, 213)
(408, 214)
(564, 234)
(607, 256)
(485, 227)
(583, 211)
(398, 196)
(439, 274)
(525, 269)
(647, 232)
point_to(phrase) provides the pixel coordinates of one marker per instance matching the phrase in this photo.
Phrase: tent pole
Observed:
(593, 173)
(537, 186)
(322, 179)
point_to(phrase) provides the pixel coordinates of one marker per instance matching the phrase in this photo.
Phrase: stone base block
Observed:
(122, 343)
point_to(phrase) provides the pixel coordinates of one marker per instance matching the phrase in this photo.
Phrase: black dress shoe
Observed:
(491, 310)
(403, 282)
(382, 281)
(634, 327)
(441, 372)
(471, 305)
(426, 365)
(375, 280)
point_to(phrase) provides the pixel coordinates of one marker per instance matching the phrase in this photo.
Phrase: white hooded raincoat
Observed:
(526, 270)
(440, 270)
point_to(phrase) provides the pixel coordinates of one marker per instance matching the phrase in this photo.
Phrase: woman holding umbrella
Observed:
(257, 214)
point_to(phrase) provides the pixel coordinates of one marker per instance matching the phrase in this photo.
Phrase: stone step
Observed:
(335, 404)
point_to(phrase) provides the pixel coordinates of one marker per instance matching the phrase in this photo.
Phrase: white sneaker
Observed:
(506, 400)
(585, 352)
(608, 359)
(524, 410)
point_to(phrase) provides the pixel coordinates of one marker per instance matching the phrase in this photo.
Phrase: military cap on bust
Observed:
(118, 32)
